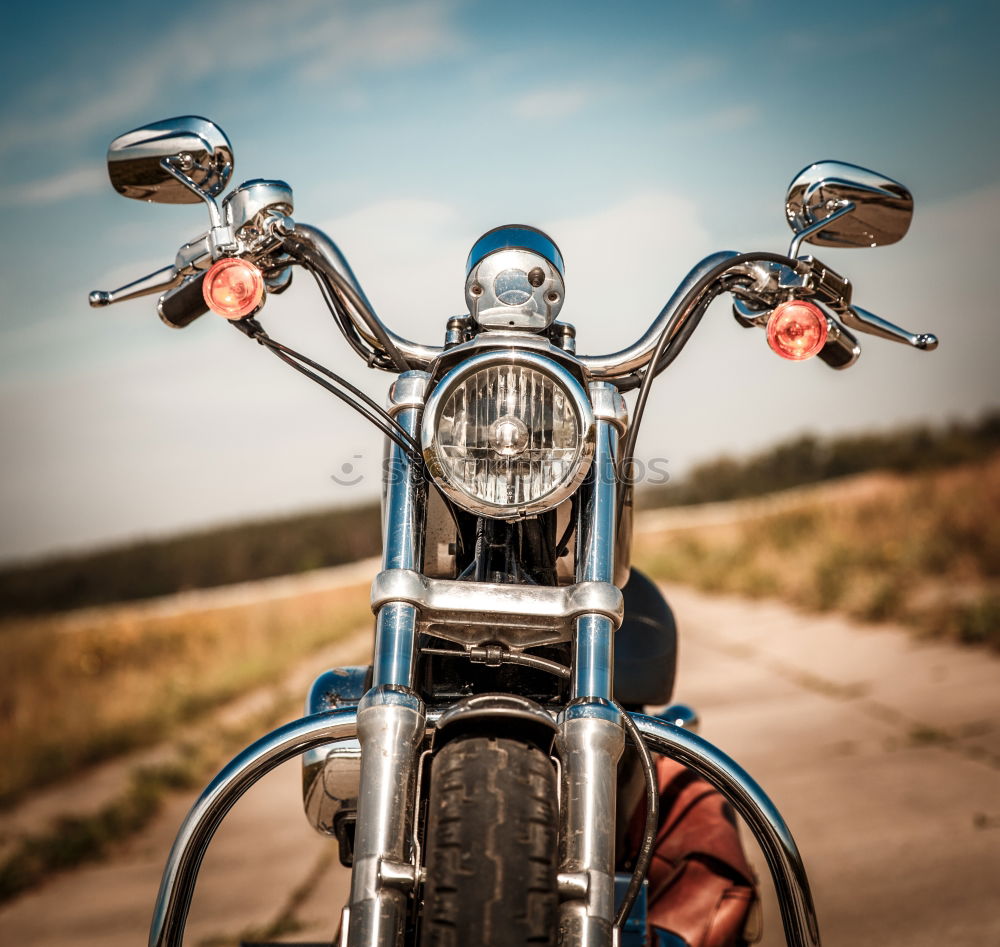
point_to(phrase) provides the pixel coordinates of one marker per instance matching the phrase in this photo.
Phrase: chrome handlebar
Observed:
(417, 355)
(624, 368)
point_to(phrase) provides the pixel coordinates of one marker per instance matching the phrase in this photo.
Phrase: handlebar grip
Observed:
(181, 306)
(841, 349)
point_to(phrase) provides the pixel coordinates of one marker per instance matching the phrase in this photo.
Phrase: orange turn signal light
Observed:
(797, 329)
(233, 288)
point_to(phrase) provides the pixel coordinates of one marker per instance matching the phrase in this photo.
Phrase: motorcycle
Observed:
(471, 773)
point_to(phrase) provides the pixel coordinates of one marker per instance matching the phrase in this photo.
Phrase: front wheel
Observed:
(491, 846)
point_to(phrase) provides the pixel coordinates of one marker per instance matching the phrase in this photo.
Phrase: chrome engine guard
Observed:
(747, 798)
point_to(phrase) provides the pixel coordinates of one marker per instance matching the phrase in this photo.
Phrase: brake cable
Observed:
(340, 316)
(361, 402)
(659, 361)
(370, 410)
(342, 287)
(651, 826)
(657, 364)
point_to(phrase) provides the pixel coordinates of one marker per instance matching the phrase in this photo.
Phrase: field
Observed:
(920, 549)
(167, 688)
(79, 689)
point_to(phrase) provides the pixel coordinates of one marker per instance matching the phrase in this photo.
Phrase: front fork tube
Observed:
(391, 724)
(590, 742)
(591, 738)
(391, 718)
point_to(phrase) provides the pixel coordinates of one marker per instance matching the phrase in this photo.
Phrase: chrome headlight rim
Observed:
(518, 358)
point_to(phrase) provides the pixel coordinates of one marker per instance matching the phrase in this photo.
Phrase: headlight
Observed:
(508, 434)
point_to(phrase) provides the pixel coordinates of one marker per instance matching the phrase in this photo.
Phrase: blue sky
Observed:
(640, 135)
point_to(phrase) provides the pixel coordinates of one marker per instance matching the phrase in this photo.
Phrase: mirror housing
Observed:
(818, 199)
(197, 148)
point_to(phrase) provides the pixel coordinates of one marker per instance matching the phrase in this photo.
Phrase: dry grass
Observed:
(76, 692)
(919, 549)
(76, 839)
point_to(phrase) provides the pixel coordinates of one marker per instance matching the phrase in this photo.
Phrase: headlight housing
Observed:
(508, 434)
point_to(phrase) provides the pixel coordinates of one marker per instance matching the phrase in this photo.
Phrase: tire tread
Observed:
(491, 846)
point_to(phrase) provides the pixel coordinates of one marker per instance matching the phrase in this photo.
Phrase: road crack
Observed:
(917, 732)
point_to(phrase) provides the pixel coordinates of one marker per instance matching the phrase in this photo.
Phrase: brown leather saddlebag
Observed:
(701, 888)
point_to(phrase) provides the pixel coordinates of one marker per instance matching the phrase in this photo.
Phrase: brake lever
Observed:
(835, 290)
(857, 318)
(156, 282)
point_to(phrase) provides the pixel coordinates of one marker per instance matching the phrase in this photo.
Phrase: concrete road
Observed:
(882, 752)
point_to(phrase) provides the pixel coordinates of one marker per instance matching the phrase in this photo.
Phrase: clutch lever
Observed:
(192, 258)
(156, 282)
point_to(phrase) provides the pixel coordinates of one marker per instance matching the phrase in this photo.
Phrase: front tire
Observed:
(491, 846)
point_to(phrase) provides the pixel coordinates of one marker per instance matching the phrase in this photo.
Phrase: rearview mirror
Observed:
(835, 204)
(194, 146)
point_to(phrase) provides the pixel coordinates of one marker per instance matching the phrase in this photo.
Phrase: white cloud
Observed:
(688, 69)
(623, 262)
(867, 35)
(553, 103)
(387, 36)
(560, 100)
(409, 256)
(318, 38)
(88, 179)
(724, 119)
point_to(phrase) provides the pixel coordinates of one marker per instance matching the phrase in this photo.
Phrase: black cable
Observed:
(414, 451)
(382, 420)
(393, 435)
(333, 304)
(508, 657)
(658, 362)
(340, 316)
(353, 389)
(390, 429)
(645, 855)
(371, 356)
(342, 286)
(358, 304)
(628, 448)
(310, 261)
(662, 360)
(574, 507)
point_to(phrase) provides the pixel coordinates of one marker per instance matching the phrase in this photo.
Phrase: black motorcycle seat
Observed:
(645, 646)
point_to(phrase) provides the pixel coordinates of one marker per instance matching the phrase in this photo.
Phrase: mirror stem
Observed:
(793, 247)
(220, 237)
